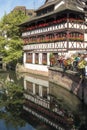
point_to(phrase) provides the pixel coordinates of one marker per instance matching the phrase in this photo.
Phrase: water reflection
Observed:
(52, 104)
(11, 102)
(33, 103)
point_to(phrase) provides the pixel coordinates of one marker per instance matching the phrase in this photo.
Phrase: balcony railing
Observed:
(45, 40)
(76, 20)
(45, 24)
(59, 21)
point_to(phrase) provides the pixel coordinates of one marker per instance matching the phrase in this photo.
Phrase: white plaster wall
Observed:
(48, 59)
(33, 58)
(36, 67)
(85, 37)
(24, 58)
(40, 58)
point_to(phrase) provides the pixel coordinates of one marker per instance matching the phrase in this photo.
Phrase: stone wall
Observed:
(69, 80)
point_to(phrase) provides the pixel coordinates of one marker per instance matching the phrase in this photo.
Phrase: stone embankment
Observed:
(69, 80)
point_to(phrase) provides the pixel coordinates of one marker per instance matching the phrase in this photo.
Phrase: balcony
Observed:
(58, 21)
(73, 20)
(45, 24)
(54, 39)
(80, 38)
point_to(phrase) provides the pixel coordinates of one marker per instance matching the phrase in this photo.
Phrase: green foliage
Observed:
(51, 55)
(10, 41)
(2, 45)
(9, 23)
(12, 97)
(11, 103)
(15, 50)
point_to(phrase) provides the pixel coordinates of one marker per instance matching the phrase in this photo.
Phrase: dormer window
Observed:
(45, 11)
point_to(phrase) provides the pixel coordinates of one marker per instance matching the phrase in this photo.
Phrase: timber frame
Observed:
(58, 27)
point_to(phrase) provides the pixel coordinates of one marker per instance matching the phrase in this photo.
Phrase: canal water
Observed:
(30, 102)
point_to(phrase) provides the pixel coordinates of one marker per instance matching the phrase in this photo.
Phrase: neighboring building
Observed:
(58, 27)
(27, 12)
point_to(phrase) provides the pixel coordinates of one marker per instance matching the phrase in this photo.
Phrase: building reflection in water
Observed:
(43, 101)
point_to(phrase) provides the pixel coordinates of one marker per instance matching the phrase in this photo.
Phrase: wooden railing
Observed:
(71, 38)
(58, 21)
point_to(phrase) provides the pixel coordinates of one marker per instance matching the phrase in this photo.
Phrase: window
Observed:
(44, 58)
(28, 57)
(36, 58)
(29, 87)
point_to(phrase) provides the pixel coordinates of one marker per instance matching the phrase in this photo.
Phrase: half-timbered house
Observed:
(58, 27)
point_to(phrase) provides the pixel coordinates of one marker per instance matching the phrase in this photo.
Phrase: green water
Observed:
(23, 100)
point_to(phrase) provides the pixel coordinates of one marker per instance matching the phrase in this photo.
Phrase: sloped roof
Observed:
(47, 4)
(68, 5)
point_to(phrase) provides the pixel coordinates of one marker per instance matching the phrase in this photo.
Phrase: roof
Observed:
(47, 4)
(66, 5)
